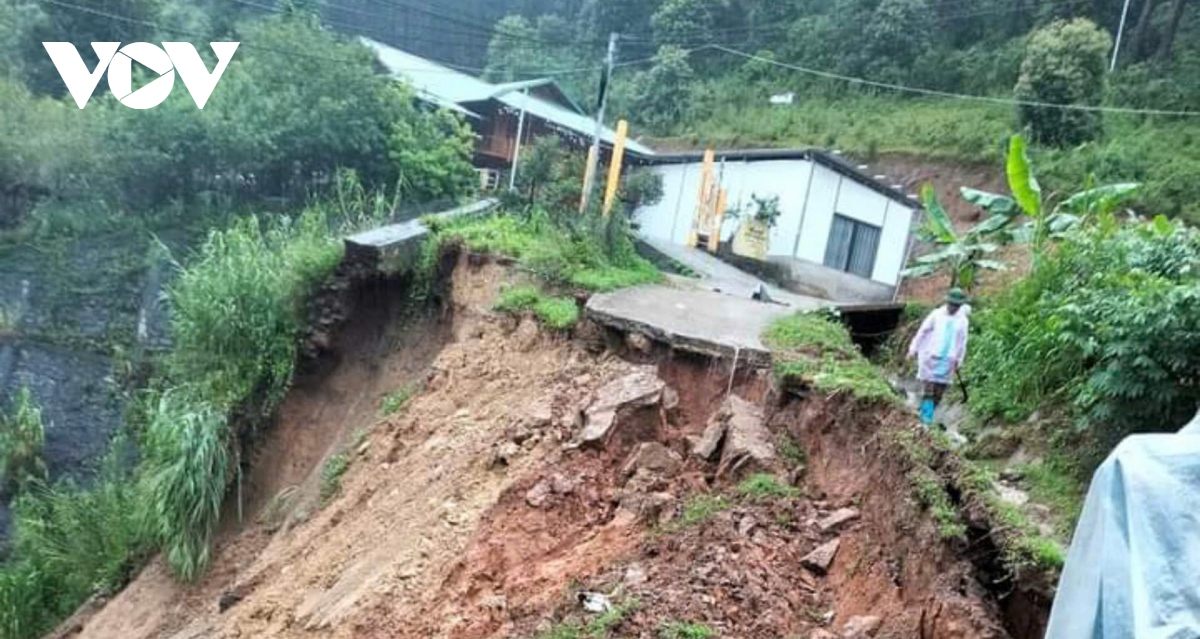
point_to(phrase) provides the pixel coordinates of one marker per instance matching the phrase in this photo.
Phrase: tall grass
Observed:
(238, 307)
(187, 469)
(22, 436)
(237, 311)
(68, 543)
(587, 252)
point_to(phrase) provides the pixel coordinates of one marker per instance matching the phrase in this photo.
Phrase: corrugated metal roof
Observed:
(445, 86)
(430, 77)
(830, 160)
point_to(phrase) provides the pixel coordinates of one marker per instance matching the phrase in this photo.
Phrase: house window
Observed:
(489, 179)
(852, 246)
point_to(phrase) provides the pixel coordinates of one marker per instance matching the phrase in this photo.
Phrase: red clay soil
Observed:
(474, 514)
(947, 178)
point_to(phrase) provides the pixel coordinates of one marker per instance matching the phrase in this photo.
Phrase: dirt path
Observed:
(483, 507)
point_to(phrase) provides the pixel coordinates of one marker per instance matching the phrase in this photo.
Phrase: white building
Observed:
(841, 234)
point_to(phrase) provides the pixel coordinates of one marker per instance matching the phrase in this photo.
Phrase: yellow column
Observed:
(614, 167)
(704, 200)
(714, 235)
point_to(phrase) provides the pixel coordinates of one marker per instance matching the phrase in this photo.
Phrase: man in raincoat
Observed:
(939, 348)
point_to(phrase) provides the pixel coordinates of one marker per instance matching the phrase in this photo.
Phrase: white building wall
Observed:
(671, 218)
(818, 216)
(809, 196)
(893, 246)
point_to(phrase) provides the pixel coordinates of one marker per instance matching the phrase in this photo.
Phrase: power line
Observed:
(948, 94)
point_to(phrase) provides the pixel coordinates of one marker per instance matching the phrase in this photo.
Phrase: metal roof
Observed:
(825, 158)
(444, 86)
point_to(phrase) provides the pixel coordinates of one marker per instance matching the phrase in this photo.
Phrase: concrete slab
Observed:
(697, 321)
(721, 277)
(394, 248)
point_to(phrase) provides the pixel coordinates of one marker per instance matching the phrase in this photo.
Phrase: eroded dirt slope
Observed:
(532, 468)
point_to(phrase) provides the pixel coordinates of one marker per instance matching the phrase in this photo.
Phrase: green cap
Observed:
(956, 296)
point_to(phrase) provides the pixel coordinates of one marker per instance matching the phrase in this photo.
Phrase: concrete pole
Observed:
(1120, 32)
(512, 176)
(589, 177)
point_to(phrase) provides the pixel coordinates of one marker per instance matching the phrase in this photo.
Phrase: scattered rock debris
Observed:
(473, 518)
(821, 557)
(838, 519)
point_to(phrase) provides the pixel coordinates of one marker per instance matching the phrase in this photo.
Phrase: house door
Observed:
(852, 246)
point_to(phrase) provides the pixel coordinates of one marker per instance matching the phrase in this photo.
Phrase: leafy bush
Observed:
(1104, 327)
(1064, 64)
(331, 476)
(68, 542)
(237, 312)
(238, 306)
(22, 436)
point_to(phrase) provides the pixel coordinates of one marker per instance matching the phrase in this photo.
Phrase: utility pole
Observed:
(1120, 32)
(512, 174)
(589, 178)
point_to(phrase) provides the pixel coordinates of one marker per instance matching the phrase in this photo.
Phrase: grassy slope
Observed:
(1156, 151)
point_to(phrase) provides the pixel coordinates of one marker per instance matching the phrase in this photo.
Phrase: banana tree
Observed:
(1046, 222)
(961, 254)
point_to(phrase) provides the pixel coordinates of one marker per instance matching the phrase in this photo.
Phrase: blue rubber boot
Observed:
(927, 410)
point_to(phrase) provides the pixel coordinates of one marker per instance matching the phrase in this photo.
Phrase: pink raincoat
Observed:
(941, 345)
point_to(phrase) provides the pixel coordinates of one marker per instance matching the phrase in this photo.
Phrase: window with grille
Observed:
(852, 246)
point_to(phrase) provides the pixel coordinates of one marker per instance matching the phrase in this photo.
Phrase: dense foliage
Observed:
(1106, 326)
(1065, 63)
(679, 85)
(239, 307)
(22, 435)
(296, 103)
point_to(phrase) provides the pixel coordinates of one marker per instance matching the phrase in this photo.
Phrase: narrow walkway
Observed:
(719, 277)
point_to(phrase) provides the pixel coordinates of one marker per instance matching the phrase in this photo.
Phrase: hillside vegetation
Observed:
(701, 72)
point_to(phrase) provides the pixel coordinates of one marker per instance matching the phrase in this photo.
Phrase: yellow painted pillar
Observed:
(614, 167)
(714, 235)
(588, 176)
(703, 202)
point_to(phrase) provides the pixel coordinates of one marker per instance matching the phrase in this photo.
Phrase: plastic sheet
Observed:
(1133, 569)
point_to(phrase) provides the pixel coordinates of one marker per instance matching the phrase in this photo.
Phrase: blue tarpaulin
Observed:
(1134, 565)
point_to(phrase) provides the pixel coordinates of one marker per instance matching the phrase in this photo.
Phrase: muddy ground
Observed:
(532, 470)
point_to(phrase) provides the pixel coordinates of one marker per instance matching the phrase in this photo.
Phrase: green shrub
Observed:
(682, 630)
(765, 486)
(67, 543)
(22, 436)
(395, 401)
(1105, 328)
(331, 476)
(237, 308)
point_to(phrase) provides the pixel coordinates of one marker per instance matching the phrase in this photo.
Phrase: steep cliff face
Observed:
(77, 316)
